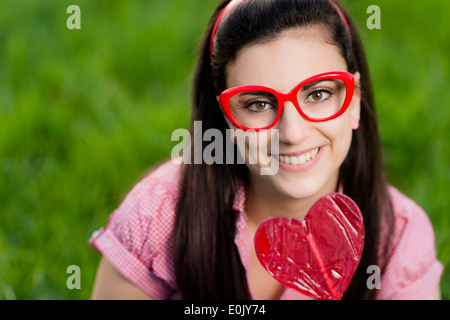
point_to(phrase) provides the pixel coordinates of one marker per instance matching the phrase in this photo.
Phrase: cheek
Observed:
(342, 144)
(339, 133)
(256, 148)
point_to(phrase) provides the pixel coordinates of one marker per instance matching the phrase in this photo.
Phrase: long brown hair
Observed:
(207, 262)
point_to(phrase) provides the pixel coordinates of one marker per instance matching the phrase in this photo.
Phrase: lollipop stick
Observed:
(316, 253)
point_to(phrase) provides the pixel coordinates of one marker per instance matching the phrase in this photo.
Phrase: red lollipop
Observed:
(318, 255)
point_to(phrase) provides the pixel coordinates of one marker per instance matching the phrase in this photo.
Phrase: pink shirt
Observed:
(137, 241)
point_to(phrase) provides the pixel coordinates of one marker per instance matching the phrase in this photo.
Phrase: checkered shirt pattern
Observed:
(137, 241)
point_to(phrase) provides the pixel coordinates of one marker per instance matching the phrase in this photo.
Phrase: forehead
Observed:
(283, 62)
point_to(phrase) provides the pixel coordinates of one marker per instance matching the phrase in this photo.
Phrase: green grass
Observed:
(83, 113)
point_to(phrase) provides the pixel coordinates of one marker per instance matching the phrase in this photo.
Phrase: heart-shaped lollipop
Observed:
(318, 255)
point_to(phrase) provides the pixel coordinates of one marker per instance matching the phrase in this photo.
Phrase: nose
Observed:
(292, 126)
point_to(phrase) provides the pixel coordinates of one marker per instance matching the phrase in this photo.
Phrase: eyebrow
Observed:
(268, 94)
(256, 93)
(312, 84)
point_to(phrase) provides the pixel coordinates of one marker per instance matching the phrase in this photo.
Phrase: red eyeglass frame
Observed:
(346, 77)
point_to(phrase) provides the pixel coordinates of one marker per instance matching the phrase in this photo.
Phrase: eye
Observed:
(260, 106)
(319, 95)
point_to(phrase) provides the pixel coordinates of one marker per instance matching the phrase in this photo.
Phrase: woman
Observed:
(187, 231)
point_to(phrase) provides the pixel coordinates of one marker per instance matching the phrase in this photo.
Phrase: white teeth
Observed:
(302, 159)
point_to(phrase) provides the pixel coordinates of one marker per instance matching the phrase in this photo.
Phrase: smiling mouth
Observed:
(298, 160)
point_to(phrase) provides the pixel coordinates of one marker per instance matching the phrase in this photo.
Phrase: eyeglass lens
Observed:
(318, 100)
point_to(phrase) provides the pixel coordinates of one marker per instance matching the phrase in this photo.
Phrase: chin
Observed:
(304, 186)
(299, 194)
(296, 189)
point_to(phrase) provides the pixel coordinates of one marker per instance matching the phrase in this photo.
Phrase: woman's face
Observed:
(310, 153)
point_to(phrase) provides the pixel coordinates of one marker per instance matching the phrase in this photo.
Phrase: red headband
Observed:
(223, 14)
(342, 16)
(234, 3)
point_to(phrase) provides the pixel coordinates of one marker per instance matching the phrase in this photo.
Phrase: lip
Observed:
(296, 154)
(301, 167)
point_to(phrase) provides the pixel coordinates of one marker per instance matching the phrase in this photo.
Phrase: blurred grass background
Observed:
(83, 113)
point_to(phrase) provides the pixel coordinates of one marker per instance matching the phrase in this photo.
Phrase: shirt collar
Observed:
(239, 199)
(242, 236)
(243, 242)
